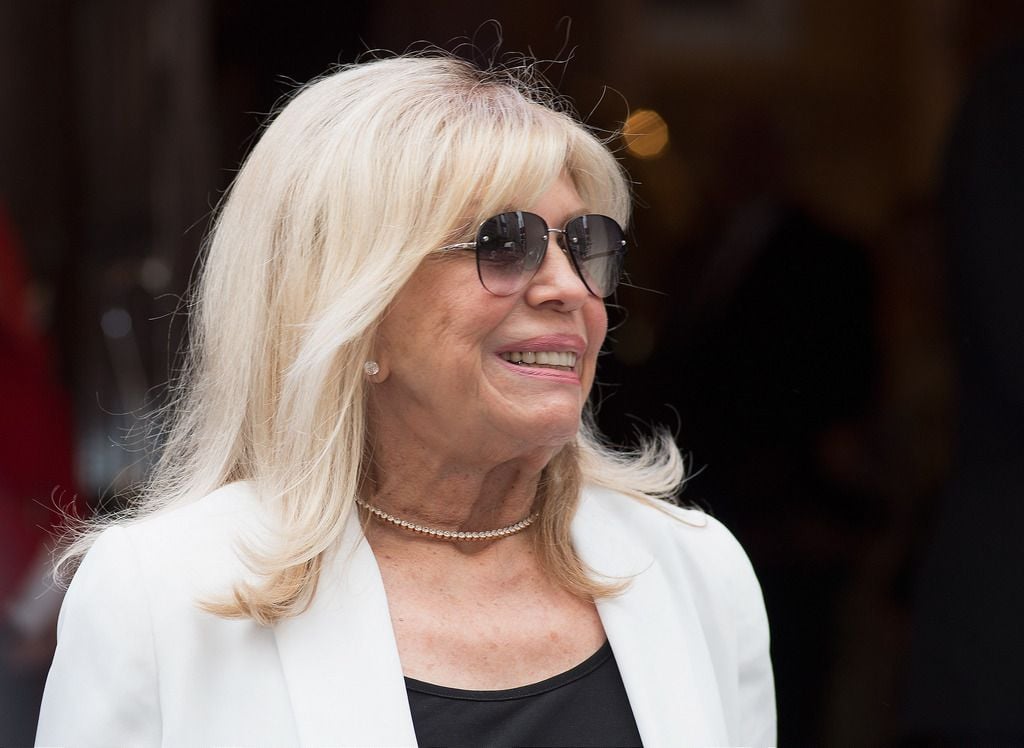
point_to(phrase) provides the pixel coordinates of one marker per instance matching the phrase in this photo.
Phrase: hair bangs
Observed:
(511, 158)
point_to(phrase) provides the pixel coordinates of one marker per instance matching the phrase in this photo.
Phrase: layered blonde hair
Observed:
(357, 179)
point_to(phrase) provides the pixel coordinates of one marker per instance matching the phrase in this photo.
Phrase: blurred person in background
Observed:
(966, 682)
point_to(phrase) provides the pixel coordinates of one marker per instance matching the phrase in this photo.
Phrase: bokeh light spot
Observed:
(645, 134)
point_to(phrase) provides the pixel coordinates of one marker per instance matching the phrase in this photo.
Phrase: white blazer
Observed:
(139, 664)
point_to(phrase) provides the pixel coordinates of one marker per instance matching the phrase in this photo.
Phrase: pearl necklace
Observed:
(439, 534)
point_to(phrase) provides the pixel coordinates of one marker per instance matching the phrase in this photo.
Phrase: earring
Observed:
(372, 368)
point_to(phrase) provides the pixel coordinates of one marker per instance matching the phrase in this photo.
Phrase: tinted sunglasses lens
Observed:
(509, 249)
(598, 246)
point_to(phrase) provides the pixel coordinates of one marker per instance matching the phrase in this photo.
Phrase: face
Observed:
(489, 377)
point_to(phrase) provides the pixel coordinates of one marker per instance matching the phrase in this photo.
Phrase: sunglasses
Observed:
(510, 247)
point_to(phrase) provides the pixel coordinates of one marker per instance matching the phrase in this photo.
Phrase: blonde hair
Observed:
(361, 175)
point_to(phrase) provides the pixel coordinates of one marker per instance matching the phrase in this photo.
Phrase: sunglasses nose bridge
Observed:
(562, 242)
(560, 239)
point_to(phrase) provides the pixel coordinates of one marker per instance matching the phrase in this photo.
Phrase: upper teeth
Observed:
(552, 358)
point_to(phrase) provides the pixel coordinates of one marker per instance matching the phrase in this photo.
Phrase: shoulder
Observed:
(663, 528)
(138, 660)
(642, 513)
(695, 551)
(213, 514)
(193, 548)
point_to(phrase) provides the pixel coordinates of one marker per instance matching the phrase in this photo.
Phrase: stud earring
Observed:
(372, 368)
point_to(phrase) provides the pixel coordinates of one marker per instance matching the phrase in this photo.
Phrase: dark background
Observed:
(793, 313)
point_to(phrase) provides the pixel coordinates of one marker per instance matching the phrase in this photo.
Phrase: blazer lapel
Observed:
(340, 659)
(656, 634)
(341, 663)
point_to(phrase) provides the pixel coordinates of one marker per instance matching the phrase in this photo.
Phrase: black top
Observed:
(585, 706)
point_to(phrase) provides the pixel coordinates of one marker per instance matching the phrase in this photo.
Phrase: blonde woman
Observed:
(382, 516)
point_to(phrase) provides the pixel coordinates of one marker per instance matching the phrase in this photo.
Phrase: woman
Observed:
(380, 467)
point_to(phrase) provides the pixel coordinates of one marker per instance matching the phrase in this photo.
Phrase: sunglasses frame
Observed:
(563, 243)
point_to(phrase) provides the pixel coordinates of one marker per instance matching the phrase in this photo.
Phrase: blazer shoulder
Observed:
(676, 536)
(196, 548)
(664, 520)
(102, 685)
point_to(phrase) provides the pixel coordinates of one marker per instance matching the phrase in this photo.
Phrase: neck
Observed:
(456, 500)
(459, 481)
(436, 533)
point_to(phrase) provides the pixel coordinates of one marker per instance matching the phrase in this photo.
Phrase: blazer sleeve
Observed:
(102, 687)
(756, 682)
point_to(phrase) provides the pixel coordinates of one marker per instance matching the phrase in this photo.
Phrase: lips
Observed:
(565, 360)
(551, 352)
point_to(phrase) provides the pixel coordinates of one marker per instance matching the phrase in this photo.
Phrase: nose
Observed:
(556, 282)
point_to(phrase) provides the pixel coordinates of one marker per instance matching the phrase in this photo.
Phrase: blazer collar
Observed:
(654, 629)
(340, 659)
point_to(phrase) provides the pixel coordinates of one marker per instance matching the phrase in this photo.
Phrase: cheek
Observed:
(596, 319)
(440, 341)
(597, 322)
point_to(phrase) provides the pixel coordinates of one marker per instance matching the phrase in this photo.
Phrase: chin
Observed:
(554, 434)
(545, 421)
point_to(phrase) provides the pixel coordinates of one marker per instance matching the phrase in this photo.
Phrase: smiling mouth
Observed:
(561, 360)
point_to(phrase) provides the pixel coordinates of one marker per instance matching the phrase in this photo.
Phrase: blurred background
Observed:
(826, 301)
